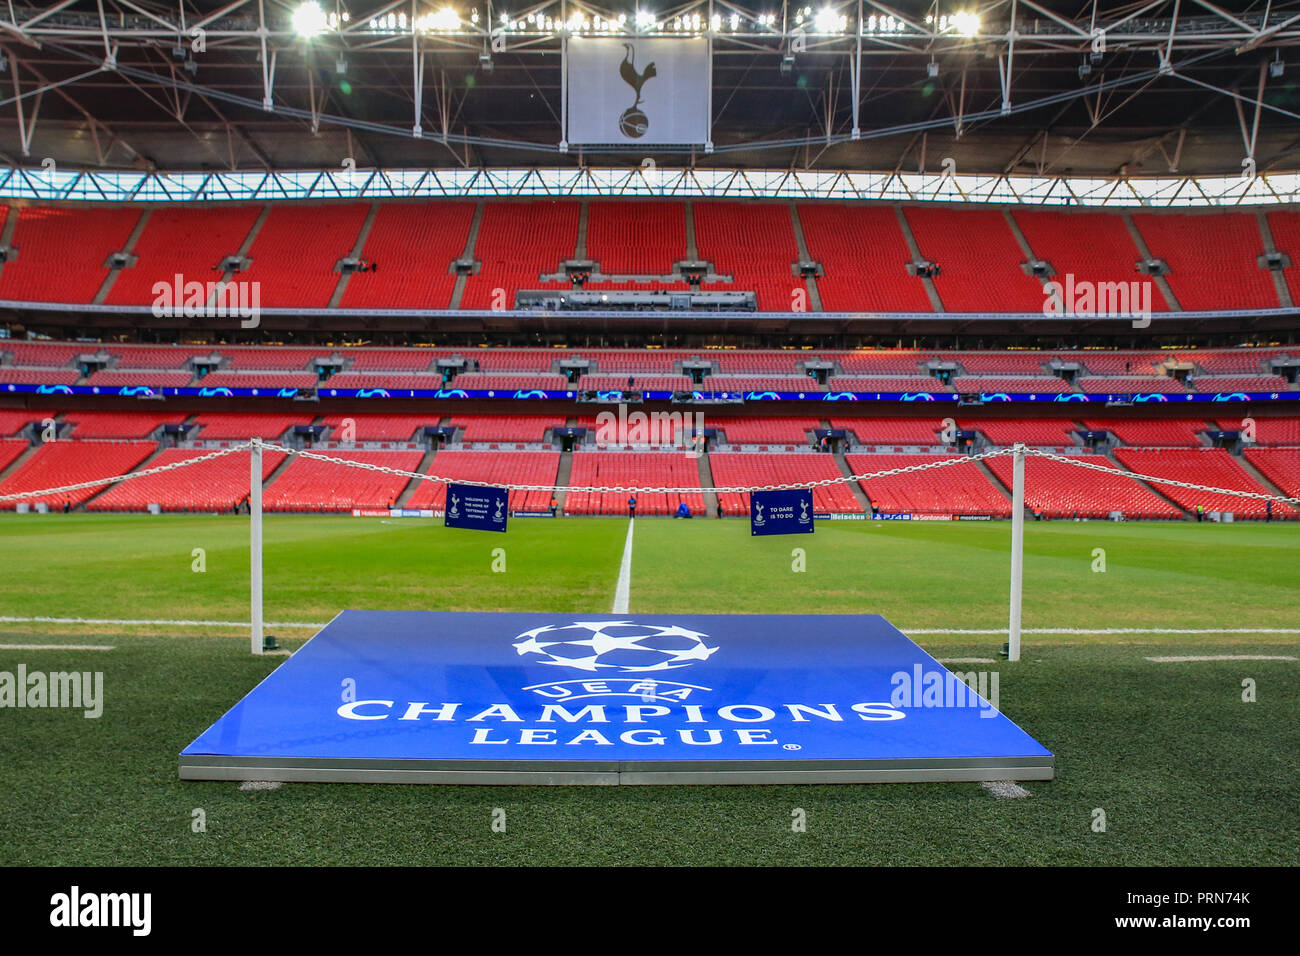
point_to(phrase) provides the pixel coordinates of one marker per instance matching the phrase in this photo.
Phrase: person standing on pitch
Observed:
(555, 505)
(631, 507)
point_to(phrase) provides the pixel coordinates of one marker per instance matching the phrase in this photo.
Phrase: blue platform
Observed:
(413, 696)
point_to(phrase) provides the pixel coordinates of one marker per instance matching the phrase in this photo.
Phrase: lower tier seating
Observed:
(515, 467)
(1058, 490)
(954, 489)
(309, 485)
(628, 469)
(750, 470)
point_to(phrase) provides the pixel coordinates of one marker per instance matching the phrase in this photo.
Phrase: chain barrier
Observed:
(625, 489)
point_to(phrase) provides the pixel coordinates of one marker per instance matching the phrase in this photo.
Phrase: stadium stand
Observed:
(1211, 258)
(276, 358)
(885, 383)
(1121, 363)
(1280, 466)
(44, 355)
(1057, 490)
(67, 463)
(217, 485)
(517, 242)
(62, 251)
(1285, 227)
(755, 245)
(900, 362)
(633, 469)
(118, 424)
(1152, 432)
(1240, 383)
(662, 383)
(636, 238)
(514, 467)
(38, 376)
(978, 260)
(410, 249)
(516, 428)
(1055, 432)
(185, 241)
(1131, 384)
(757, 470)
(418, 380)
(390, 360)
(1268, 430)
(892, 431)
(864, 259)
(760, 383)
(1001, 363)
(240, 426)
(378, 427)
(266, 381)
(296, 250)
(12, 421)
(953, 490)
(126, 378)
(1204, 466)
(322, 486)
(1022, 383)
(486, 382)
(10, 450)
(763, 431)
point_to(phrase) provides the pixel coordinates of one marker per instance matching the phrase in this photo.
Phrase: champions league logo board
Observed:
(413, 696)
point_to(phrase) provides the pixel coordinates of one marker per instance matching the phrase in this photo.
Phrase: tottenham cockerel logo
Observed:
(621, 646)
(634, 123)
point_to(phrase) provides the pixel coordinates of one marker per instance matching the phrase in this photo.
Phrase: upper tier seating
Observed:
(636, 238)
(1131, 384)
(60, 463)
(893, 431)
(760, 383)
(310, 485)
(514, 428)
(1211, 258)
(953, 489)
(763, 431)
(296, 250)
(755, 245)
(1029, 384)
(750, 470)
(119, 424)
(978, 259)
(411, 248)
(864, 259)
(62, 251)
(1269, 430)
(1240, 383)
(377, 427)
(185, 241)
(478, 467)
(517, 242)
(1213, 467)
(14, 420)
(899, 362)
(885, 383)
(1030, 431)
(664, 469)
(1058, 490)
(240, 426)
(126, 378)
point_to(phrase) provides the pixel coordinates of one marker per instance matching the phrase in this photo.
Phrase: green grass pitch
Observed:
(1185, 771)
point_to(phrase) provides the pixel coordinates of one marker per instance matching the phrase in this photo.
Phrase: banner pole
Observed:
(255, 541)
(1017, 549)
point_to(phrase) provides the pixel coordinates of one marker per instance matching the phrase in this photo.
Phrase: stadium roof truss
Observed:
(235, 80)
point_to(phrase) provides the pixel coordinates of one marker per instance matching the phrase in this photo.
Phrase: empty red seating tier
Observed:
(119, 424)
(881, 363)
(38, 376)
(52, 355)
(1024, 384)
(62, 251)
(506, 427)
(759, 383)
(517, 242)
(1211, 258)
(764, 431)
(758, 470)
(1282, 467)
(755, 245)
(1268, 430)
(1030, 431)
(390, 360)
(1092, 247)
(216, 485)
(240, 426)
(389, 381)
(950, 490)
(885, 383)
(68, 463)
(1152, 432)
(125, 378)
(978, 258)
(263, 381)
(10, 450)
(512, 383)
(296, 250)
(12, 421)
(1131, 385)
(893, 431)
(411, 247)
(1240, 383)
(514, 467)
(1285, 227)
(310, 485)
(864, 259)
(636, 238)
(377, 427)
(1213, 467)
(189, 241)
(633, 470)
(653, 383)
(1060, 490)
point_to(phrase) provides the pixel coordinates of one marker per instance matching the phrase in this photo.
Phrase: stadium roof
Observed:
(1040, 87)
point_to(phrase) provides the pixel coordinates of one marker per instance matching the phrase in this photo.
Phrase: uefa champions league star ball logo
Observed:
(621, 646)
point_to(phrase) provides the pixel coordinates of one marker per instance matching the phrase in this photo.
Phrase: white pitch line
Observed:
(1221, 657)
(623, 590)
(151, 621)
(1008, 789)
(56, 647)
(1107, 630)
(965, 660)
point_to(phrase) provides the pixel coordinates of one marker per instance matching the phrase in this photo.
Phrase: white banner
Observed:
(630, 92)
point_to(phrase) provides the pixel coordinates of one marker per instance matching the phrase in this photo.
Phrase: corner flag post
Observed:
(255, 539)
(1017, 548)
